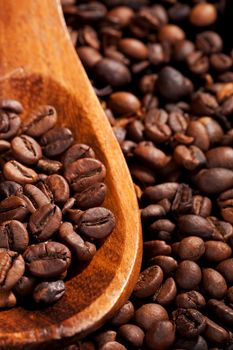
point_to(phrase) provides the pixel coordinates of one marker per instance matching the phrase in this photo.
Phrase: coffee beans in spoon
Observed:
(51, 215)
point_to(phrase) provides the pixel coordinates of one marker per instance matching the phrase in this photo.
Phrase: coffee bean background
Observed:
(51, 219)
(163, 73)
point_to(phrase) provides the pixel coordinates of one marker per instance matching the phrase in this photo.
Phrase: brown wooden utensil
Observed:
(38, 65)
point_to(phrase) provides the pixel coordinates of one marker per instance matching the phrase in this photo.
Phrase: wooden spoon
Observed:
(38, 65)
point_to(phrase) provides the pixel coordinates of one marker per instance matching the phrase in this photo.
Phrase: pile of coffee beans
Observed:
(163, 73)
(51, 192)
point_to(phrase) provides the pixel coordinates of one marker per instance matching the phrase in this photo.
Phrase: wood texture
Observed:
(39, 65)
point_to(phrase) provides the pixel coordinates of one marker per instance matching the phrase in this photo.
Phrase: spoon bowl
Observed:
(39, 66)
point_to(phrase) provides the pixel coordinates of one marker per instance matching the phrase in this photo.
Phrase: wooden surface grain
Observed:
(38, 65)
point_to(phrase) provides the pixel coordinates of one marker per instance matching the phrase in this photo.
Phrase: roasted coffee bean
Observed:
(190, 300)
(171, 33)
(105, 337)
(40, 121)
(150, 155)
(209, 42)
(25, 149)
(152, 212)
(157, 193)
(83, 173)
(49, 259)
(9, 124)
(9, 188)
(132, 335)
(13, 236)
(167, 263)
(190, 158)
(45, 221)
(167, 293)
(161, 335)
(198, 343)
(172, 85)
(76, 152)
(7, 299)
(204, 104)
(112, 72)
(49, 292)
(189, 323)
(203, 14)
(215, 333)
(217, 251)
(92, 196)
(112, 345)
(220, 157)
(156, 247)
(201, 206)
(195, 225)
(148, 282)
(213, 128)
(225, 267)
(213, 283)
(123, 315)
(36, 196)
(12, 106)
(88, 56)
(188, 275)
(25, 286)
(49, 166)
(56, 141)
(96, 223)
(59, 188)
(12, 268)
(15, 171)
(13, 208)
(221, 312)
(83, 251)
(191, 248)
(147, 314)
(214, 180)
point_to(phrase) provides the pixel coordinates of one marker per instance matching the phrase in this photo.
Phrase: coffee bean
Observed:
(213, 128)
(36, 196)
(217, 251)
(156, 193)
(13, 236)
(25, 149)
(7, 299)
(188, 275)
(47, 260)
(59, 188)
(195, 225)
(112, 72)
(167, 263)
(83, 173)
(48, 292)
(92, 196)
(77, 151)
(105, 337)
(198, 343)
(9, 124)
(203, 14)
(221, 311)
(167, 292)
(13, 208)
(201, 206)
(124, 103)
(148, 282)
(123, 315)
(12, 106)
(204, 104)
(191, 248)
(189, 323)
(190, 158)
(147, 314)
(96, 223)
(150, 155)
(49, 166)
(209, 42)
(15, 171)
(220, 157)
(213, 283)
(133, 48)
(225, 267)
(25, 286)
(171, 33)
(88, 56)
(83, 251)
(190, 300)
(152, 212)
(45, 221)
(214, 180)
(133, 335)
(9, 188)
(161, 335)
(113, 345)
(215, 333)
(40, 121)
(56, 141)
(11, 268)
(172, 85)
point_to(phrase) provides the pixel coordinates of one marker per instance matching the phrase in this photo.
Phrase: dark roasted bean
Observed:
(49, 292)
(188, 275)
(13, 208)
(56, 141)
(12, 268)
(189, 323)
(213, 283)
(15, 171)
(25, 149)
(92, 196)
(123, 315)
(48, 259)
(190, 300)
(40, 121)
(76, 152)
(13, 236)
(148, 282)
(161, 335)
